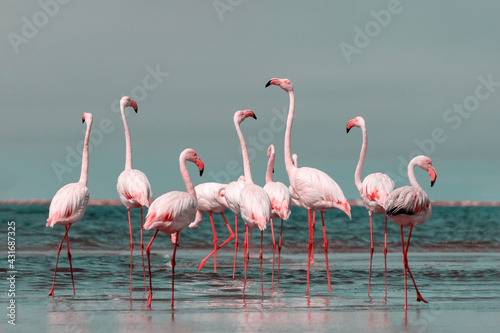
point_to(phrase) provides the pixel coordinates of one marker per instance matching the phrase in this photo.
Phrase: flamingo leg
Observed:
(260, 259)
(404, 263)
(215, 242)
(69, 258)
(235, 242)
(51, 292)
(325, 246)
(246, 255)
(419, 296)
(148, 251)
(385, 257)
(309, 249)
(371, 254)
(202, 263)
(274, 249)
(131, 248)
(279, 251)
(142, 253)
(313, 227)
(173, 267)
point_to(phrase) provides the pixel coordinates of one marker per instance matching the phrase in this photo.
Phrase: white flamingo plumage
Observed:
(373, 190)
(211, 199)
(280, 204)
(312, 188)
(132, 186)
(172, 212)
(69, 203)
(255, 206)
(410, 206)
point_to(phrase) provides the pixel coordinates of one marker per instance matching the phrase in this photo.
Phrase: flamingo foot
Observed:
(420, 298)
(150, 297)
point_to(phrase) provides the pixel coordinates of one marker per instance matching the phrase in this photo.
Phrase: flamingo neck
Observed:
(244, 152)
(85, 156)
(411, 175)
(128, 145)
(270, 168)
(362, 156)
(288, 135)
(187, 179)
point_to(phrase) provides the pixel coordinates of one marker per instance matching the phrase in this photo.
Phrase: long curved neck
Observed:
(362, 156)
(244, 152)
(128, 145)
(270, 168)
(411, 175)
(288, 134)
(187, 179)
(85, 156)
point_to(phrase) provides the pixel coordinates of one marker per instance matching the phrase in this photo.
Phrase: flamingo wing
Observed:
(171, 212)
(407, 200)
(68, 205)
(255, 206)
(375, 189)
(134, 189)
(280, 199)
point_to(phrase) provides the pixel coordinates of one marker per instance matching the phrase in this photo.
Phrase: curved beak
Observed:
(432, 174)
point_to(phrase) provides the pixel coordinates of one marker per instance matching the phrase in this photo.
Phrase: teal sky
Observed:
(424, 74)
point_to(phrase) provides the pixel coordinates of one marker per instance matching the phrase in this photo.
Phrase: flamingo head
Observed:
(355, 122)
(285, 84)
(270, 151)
(127, 101)
(239, 116)
(425, 163)
(87, 117)
(191, 156)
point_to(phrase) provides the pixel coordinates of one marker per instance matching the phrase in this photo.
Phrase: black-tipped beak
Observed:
(201, 172)
(432, 182)
(347, 129)
(254, 116)
(268, 83)
(83, 120)
(136, 112)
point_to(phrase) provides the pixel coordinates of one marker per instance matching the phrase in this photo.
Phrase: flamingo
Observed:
(280, 203)
(232, 195)
(314, 189)
(373, 191)
(255, 205)
(69, 203)
(172, 212)
(410, 206)
(211, 199)
(133, 186)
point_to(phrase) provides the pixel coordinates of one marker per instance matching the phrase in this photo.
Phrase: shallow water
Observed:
(454, 258)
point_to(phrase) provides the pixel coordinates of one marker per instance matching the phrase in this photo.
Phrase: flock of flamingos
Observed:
(309, 188)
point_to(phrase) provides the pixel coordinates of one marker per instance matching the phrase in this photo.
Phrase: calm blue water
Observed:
(454, 258)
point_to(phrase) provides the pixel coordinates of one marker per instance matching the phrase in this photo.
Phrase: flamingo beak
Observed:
(201, 166)
(268, 83)
(432, 174)
(249, 113)
(272, 81)
(133, 104)
(350, 124)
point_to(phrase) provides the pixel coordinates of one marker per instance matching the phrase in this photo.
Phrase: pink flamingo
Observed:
(172, 212)
(280, 203)
(255, 205)
(133, 186)
(232, 195)
(211, 199)
(314, 189)
(373, 191)
(410, 206)
(69, 203)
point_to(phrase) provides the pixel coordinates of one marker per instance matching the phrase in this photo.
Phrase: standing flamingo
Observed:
(69, 203)
(133, 186)
(280, 203)
(314, 189)
(232, 195)
(172, 212)
(255, 205)
(373, 191)
(410, 206)
(211, 199)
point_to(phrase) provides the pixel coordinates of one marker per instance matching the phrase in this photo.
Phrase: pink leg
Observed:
(246, 255)
(279, 251)
(313, 222)
(274, 249)
(419, 296)
(215, 242)
(371, 254)
(142, 254)
(309, 249)
(148, 251)
(404, 263)
(173, 267)
(325, 246)
(131, 249)
(385, 257)
(69, 258)
(217, 249)
(51, 292)
(260, 259)
(235, 242)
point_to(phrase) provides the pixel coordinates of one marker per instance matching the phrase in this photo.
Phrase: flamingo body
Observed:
(68, 204)
(133, 189)
(255, 206)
